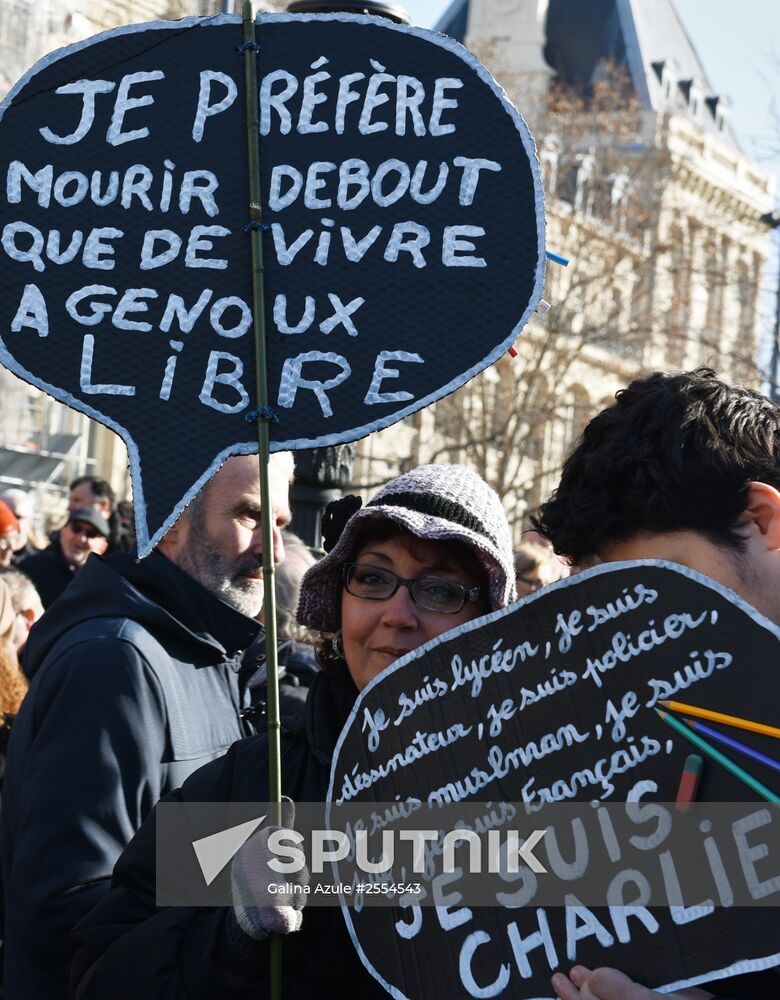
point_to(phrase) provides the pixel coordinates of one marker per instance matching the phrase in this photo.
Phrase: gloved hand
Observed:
(259, 912)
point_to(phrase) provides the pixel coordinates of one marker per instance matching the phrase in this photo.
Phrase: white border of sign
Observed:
(146, 542)
(737, 968)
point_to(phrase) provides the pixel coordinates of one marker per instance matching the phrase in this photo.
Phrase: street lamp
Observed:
(772, 220)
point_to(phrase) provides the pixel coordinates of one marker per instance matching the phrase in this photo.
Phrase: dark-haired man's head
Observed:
(681, 467)
(89, 491)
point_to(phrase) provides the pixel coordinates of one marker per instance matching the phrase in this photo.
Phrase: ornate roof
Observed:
(649, 39)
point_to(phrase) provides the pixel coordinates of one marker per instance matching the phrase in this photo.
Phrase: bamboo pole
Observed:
(263, 441)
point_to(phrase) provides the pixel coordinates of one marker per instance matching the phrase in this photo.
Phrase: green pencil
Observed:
(720, 758)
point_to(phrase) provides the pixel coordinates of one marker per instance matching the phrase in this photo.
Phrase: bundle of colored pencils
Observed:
(692, 730)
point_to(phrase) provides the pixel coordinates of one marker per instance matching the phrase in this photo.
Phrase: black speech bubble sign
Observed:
(696, 634)
(403, 240)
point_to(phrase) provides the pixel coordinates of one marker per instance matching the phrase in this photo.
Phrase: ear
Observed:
(29, 617)
(174, 538)
(763, 510)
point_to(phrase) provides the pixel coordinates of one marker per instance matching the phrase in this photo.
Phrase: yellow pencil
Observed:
(726, 720)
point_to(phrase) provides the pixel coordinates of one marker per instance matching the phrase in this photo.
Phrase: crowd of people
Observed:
(145, 680)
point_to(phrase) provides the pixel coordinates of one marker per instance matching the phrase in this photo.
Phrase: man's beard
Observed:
(227, 579)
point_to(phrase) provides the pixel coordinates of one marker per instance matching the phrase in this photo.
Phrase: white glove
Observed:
(258, 911)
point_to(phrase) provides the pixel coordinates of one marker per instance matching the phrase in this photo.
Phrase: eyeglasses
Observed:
(79, 528)
(530, 581)
(432, 593)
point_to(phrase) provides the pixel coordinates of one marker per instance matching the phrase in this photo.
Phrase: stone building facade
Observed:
(648, 194)
(43, 444)
(658, 210)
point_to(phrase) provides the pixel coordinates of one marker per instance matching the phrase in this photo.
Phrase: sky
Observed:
(738, 42)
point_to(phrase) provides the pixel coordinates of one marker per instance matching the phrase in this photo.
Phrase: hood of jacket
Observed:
(154, 592)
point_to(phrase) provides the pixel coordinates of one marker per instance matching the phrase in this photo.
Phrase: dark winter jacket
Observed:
(138, 678)
(126, 949)
(27, 550)
(49, 570)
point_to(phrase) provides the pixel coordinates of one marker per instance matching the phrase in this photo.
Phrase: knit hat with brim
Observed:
(433, 502)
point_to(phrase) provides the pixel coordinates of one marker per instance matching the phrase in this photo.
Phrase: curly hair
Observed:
(13, 683)
(675, 452)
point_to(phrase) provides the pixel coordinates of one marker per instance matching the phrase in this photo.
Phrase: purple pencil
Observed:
(714, 734)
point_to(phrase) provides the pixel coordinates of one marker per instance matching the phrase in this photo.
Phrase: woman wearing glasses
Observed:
(428, 553)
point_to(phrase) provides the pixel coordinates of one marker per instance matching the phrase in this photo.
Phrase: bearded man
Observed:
(140, 674)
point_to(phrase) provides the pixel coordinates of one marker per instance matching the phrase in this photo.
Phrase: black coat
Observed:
(49, 571)
(139, 677)
(126, 949)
